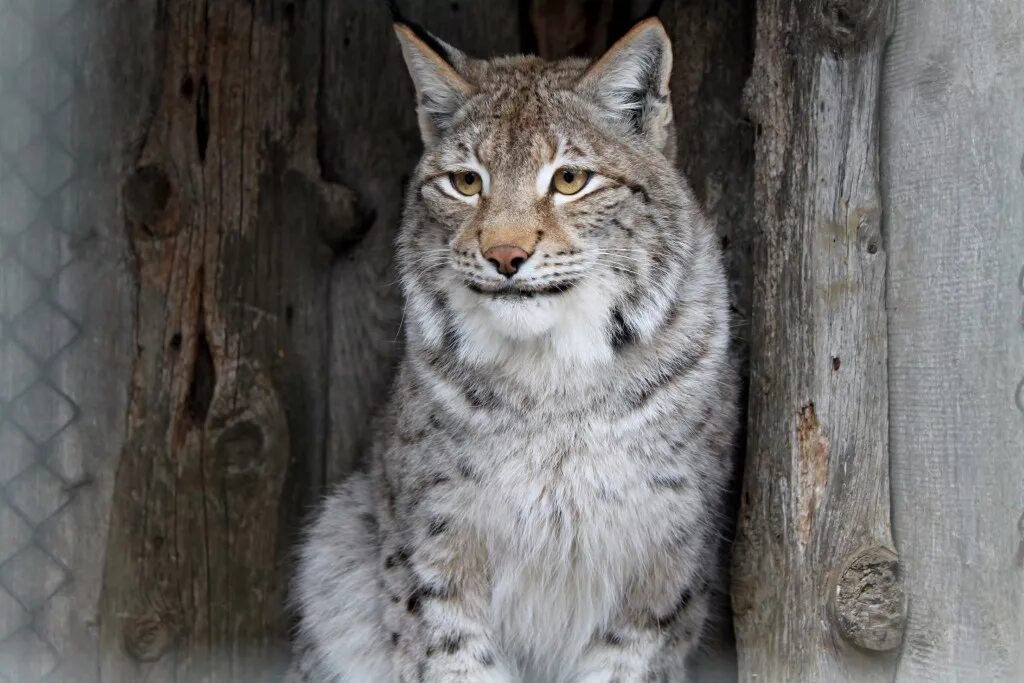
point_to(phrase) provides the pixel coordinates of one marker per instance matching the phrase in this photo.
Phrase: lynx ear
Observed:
(440, 89)
(631, 82)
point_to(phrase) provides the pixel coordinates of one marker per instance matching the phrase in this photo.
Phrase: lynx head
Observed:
(546, 212)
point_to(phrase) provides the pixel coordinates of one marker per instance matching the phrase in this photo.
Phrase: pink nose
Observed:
(507, 259)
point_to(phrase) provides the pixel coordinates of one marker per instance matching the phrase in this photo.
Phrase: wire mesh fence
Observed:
(40, 84)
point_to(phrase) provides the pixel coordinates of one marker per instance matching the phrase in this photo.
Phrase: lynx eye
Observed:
(468, 183)
(570, 180)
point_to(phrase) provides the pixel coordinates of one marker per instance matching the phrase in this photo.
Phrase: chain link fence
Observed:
(39, 89)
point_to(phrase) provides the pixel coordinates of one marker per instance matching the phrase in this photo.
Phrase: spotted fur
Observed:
(545, 495)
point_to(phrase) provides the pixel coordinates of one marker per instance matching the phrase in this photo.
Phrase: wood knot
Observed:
(869, 607)
(240, 450)
(247, 432)
(345, 219)
(147, 638)
(846, 23)
(148, 202)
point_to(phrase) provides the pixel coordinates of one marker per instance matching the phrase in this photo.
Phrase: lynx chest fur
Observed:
(568, 522)
(543, 498)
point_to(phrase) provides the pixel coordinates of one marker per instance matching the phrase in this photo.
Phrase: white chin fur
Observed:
(568, 327)
(522, 318)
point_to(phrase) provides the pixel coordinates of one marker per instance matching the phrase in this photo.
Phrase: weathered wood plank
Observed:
(954, 190)
(233, 231)
(815, 587)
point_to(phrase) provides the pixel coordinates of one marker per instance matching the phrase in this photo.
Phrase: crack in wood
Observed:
(148, 202)
(204, 380)
(203, 117)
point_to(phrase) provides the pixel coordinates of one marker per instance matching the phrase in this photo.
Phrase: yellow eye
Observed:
(468, 183)
(570, 180)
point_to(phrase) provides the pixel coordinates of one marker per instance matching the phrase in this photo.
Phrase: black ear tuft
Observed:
(444, 50)
(440, 88)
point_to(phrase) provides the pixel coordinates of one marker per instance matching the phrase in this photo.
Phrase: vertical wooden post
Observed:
(817, 592)
(233, 232)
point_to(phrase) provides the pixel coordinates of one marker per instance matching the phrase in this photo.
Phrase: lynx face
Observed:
(538, 206)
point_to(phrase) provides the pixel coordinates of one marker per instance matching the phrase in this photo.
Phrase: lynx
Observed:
(544, 498)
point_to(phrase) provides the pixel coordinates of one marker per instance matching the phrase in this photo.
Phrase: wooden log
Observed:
(233, 231)
(817, 592)
(954, 186)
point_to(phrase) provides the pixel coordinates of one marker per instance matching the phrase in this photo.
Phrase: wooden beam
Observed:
(817, 592)
(233, 231)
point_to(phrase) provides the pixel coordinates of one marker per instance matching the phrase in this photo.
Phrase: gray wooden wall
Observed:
(82, 83)
(953, 171)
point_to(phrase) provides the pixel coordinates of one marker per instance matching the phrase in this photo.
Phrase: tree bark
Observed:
(233, 232)
(817, 592)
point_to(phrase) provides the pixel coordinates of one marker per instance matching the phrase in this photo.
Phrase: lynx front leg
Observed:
(620, 655)
(437, 598)
(649, 642)
(451, 646)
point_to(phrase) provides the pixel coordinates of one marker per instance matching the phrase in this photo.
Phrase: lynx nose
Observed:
(507, 259)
